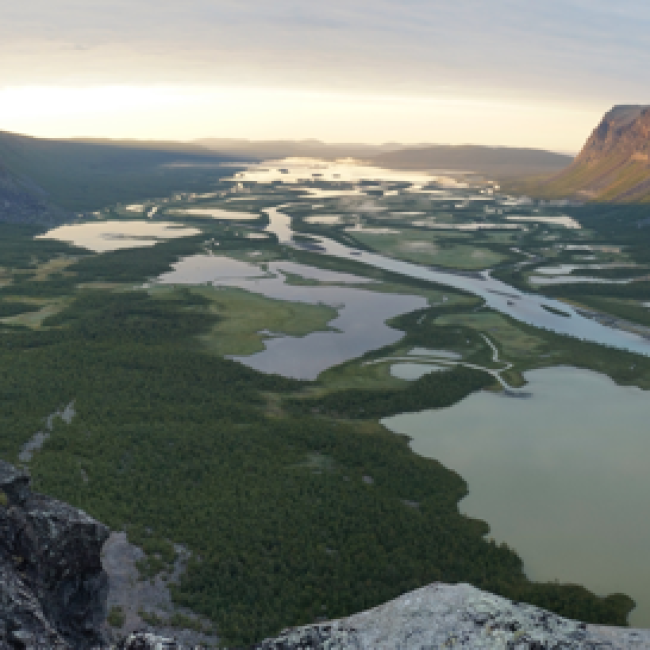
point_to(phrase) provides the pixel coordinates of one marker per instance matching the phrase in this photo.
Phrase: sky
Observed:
(497, 72)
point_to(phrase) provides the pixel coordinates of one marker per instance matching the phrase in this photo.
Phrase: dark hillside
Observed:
(24, 202)
(88, 175)
(497, 162)
(265, 149)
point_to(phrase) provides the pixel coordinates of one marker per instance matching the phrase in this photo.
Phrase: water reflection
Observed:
(296, 170)
(359, 327)
(566, 222)
(526, 307)
(103, 236)
(217, 213)
(563, 477)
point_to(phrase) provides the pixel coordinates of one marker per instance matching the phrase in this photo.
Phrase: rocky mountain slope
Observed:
(614, 164)
(455, 616)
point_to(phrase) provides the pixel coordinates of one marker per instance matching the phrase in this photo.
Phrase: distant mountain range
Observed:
(270, 149)
(41, 179)
(44, 180)
(614, 164)
(495, 162)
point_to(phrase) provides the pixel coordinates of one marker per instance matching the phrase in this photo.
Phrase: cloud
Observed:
(560, 50)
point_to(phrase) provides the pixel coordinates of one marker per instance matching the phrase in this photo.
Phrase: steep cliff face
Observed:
(614, 164)
(52, 585)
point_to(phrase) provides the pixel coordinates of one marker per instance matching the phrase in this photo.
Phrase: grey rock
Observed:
(14, 483)
(133, 594)
(52, 585)
(148, 641)
(455, 616)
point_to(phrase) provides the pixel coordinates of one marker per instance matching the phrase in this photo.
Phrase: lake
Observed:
(103, 236)
(563, 477)
(359, 327)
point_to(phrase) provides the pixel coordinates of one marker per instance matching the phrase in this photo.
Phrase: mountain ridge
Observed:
(613, 165)
(497, 162)
(309, 148)
(89, 174)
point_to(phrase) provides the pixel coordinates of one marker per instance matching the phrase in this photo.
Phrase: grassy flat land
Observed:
(42, 309)
(510, 339)
(425, 248)
(242, 315)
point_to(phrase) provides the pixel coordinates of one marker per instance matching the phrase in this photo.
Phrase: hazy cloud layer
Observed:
(567, 50)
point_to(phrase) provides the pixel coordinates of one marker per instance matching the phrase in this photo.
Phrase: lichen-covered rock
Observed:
(52, 585)
(459, 616)
(149, 641)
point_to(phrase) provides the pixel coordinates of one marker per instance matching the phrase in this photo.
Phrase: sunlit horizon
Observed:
(188, 113)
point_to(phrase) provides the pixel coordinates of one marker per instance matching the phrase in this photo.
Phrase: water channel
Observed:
(525, 307)
(359, 327)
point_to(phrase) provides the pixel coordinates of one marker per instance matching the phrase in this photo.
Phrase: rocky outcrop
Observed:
(614, 164)
(145, 602)
(52, 585)
(439, 617)
(458, 616)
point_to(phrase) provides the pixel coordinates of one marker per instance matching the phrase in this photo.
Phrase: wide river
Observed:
(525, 307)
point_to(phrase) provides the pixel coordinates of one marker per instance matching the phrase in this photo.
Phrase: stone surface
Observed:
(133, 594)
(52, 585)
(458, 616)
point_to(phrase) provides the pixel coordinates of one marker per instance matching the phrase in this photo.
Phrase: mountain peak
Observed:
(614, 164)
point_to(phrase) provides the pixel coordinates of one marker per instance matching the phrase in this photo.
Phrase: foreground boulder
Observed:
(440, 617)
(52, 585)
(458, 616)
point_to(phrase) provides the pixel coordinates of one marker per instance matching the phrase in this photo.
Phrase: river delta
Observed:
(555, 457)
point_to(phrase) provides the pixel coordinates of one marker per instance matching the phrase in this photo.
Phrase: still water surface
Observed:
(562, 477)
(103, 236)
(359, 327)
